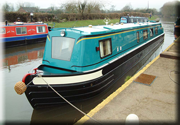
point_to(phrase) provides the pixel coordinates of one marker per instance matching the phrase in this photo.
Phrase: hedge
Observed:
(47, 17)
(25, 17)
(92, 16)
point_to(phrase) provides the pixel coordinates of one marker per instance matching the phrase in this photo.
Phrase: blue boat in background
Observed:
(81, 62)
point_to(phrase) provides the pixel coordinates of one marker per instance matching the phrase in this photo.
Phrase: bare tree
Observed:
(112, 8)
(170, 8)
(127, 8)
(89, 7)
(24, 4)
(81, 7)
(70, 7)
(93, 7)
(7, 7)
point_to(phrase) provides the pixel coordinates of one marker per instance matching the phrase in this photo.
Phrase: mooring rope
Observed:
(68, 101)
(170, 76)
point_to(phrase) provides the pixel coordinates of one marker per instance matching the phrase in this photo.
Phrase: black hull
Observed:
(42, 95)
(24, 42)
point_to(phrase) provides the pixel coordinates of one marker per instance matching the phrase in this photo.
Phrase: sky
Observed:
(119, 4)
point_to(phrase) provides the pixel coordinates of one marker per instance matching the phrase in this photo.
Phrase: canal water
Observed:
(18, 61)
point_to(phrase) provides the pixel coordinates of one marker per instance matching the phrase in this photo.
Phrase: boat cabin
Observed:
(20, 31)
(84, 49)
(132, 19)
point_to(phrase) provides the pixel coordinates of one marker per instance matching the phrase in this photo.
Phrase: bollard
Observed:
(132, 119)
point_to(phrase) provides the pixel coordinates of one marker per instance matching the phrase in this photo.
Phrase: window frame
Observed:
(21, 30)
(37, 30)
(110, 47)
(156, 30)
(52, 48)
(4, 30)
(137, 36)
(143, 34)
(151, 30)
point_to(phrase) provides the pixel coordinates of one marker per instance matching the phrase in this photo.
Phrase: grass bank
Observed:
(80, 23)
(153, 17)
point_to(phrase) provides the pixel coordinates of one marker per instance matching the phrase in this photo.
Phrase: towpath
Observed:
(154, 103)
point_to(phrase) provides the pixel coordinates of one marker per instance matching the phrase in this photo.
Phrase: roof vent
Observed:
(90, 26)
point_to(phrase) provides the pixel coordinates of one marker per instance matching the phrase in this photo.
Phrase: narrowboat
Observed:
(21, 33)
(81, 62)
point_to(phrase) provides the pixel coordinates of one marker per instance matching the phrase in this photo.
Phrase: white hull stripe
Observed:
(67, 79)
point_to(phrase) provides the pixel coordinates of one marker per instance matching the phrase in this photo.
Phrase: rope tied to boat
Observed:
(67, 100)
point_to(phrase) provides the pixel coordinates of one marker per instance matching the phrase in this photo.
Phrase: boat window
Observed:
(62, 48)
(123, 20)
(105, 47)
(138, 36)
(156, 30)
(131, 20)
(21, 30)
(40, 29)
(151, 32)
(2, 30)
(141, 20)
(135, 20)
(145, 34)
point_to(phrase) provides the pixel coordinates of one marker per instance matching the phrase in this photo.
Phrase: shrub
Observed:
(47, 17)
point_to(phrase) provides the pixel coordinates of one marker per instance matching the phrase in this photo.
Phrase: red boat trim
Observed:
(24, 78)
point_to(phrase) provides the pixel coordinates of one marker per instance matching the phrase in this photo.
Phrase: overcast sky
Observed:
(119, 4)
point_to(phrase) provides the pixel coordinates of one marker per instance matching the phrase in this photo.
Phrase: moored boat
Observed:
(21, 33)
(81, 62)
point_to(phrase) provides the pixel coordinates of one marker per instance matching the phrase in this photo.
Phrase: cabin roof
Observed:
(24, 24)
(114, 27)
(93, 29)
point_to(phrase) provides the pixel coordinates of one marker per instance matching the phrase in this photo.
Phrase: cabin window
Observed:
(62, 48)
(2, 30)
(151, 32)
(131, 20)
(138, 39)
(21, 30)
(123, 20)
(135, 20)
(40, 29)
(145, 34)
(105, 47)
(156, 30)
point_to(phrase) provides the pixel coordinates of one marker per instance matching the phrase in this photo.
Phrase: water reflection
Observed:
(16, 63)
(21, 54)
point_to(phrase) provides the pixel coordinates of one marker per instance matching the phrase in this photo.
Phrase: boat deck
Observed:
(155, 103)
